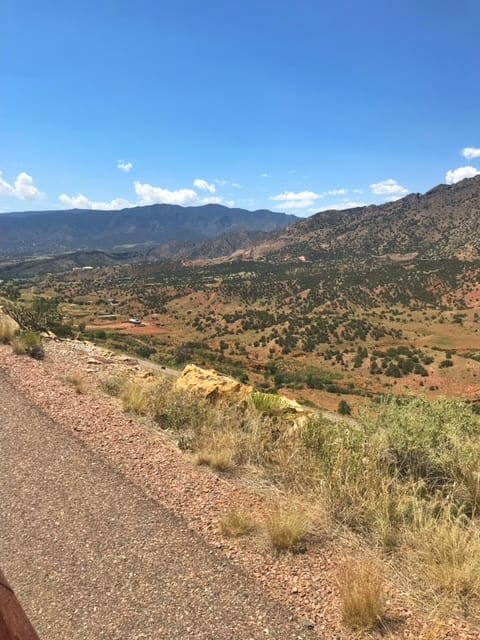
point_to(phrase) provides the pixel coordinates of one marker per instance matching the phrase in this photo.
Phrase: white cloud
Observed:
(236, 185)
(82, 202)
(221, 182)
(265, 175)
(455, 175)
(204, 185)
(388, 187)
(336, 192)
(125, 166)
(296, 200)
(471, 152)
(149, 194)
(23, 188)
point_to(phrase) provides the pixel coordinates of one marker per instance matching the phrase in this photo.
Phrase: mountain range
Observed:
(442, 223)
(138, 228)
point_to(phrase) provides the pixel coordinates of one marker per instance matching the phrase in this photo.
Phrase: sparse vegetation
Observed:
(113, 385)
(76, 381)
(287, 529)
(7, 329)
(135, 396)
(29, 343)
(266, 403)
(362, 591)
(236, 523)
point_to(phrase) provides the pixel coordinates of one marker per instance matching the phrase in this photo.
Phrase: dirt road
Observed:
(91, 557)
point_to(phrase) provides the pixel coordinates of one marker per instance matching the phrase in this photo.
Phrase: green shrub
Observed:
(266, 403)
(344, 409)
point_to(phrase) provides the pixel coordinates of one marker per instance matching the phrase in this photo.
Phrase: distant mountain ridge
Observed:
(51, 232)
(442, 223)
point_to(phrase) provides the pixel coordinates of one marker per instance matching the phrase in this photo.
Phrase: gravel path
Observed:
(90, 556)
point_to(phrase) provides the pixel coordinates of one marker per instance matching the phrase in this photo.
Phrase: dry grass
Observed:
(76, 381)
(217, 450)
(362, 592)
(287, 529)
(235, 524)
(444, 553)
(114, 385)
(135, 397)
(7, 329)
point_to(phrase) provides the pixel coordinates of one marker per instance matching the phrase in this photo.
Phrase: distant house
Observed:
(135, 321)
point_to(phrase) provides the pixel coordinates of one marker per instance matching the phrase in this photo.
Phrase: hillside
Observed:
(442, 223)
(42, 265)
(48, 232)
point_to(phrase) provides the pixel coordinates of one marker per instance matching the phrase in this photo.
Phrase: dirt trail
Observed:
(90, 556)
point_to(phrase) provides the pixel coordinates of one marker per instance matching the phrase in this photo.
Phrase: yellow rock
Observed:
(212, 385)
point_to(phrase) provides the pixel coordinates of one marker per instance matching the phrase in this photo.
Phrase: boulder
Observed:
(212, 385)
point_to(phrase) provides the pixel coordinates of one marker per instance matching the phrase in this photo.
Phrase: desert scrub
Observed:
(7, 329)
(362, 593)
(29, 343)
(113, 385)
(235, 524)
(287, 529)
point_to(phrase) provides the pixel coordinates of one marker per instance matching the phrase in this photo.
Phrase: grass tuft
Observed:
(76, 381)
(235, 524)
(287, 529)
(135, 397)
(362, 592)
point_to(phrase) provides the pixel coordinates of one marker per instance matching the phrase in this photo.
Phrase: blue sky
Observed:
(295, 106)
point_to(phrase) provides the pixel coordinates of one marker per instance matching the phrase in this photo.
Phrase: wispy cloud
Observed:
(125, 166)
(22, 188)
(296, 199)
(471, 152)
